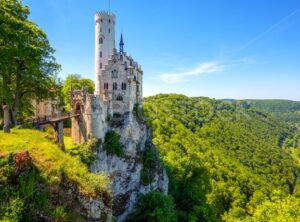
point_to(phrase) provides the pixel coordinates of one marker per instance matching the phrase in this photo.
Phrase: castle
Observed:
(118, 84)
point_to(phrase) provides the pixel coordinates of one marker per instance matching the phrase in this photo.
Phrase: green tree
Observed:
(154, 207)
(74, 81)
(27, 67)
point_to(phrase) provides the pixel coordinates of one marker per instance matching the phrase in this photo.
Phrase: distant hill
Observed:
(287, 110)
(228, 162)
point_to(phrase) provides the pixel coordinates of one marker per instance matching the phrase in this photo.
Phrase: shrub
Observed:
(155, 207)
(59, 214)
(12, 211)
(112, 144)
(149, 159)
(85, 151)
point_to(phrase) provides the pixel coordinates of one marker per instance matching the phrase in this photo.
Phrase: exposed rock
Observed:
(96, 209)
(125, 172)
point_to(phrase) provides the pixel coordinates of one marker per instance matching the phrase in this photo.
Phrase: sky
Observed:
(237, 49)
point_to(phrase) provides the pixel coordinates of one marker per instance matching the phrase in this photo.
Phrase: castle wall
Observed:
(95, 114)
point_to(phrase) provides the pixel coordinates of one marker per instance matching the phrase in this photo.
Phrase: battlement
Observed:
(105, 13)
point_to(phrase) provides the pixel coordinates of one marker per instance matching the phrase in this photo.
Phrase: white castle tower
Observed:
(104, 43)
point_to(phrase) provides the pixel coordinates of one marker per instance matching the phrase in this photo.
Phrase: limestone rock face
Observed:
(125, 172)
(96, 209)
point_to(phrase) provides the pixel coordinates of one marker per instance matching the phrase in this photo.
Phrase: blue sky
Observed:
(216, 48)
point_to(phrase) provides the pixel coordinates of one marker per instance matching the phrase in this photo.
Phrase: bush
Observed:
(155, 207)
(112, 144)
(149, 159)
(85, 151)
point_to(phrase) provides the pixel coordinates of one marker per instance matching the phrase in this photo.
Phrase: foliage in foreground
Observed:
(154, 206)
(52, 161)
(86, 151)
(226, 161)
(24, 194)
(28, 68)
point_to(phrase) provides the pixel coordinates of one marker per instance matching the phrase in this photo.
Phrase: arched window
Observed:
(119, 98)
(101, 40)
(114, 74)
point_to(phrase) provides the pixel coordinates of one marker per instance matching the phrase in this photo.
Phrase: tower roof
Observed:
(121, 41)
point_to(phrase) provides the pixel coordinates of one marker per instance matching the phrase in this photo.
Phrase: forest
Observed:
(227, 161)
(286, 110)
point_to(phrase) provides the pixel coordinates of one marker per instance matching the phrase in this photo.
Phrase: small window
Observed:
(100, 65)
(100, 54)
(101, 20)
(109, 20)
(105, 85)
(101, 40)
(115, 86)
(114, 74)
(100, 29)
(119, 98)
(109, 30)
(123, 86)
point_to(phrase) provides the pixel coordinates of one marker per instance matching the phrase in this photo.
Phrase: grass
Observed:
(52, 162)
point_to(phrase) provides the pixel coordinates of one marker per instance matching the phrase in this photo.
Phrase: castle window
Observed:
(114, 74)
(100, 65)
(123, 86)
(101, 40)
(119, 98)
(100, 29)
(101, 20)
(109, 30)
(109, 20)
(100, 54)
(115, 86)
(105, 85)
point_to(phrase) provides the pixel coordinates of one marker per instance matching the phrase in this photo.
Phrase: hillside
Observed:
(226, 162)
(39, 182)
(286, 110)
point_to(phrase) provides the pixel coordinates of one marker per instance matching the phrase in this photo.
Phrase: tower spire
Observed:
(121, 44)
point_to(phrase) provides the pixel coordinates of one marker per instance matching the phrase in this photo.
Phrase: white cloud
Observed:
(202, 68)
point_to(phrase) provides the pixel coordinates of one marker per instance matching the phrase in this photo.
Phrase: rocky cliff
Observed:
(137, 171)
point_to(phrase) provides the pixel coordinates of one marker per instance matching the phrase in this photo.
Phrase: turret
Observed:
(104, 43)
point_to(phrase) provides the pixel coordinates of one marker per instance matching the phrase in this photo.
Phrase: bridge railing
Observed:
(56, 116)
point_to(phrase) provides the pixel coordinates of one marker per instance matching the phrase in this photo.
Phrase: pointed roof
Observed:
(121, 41)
